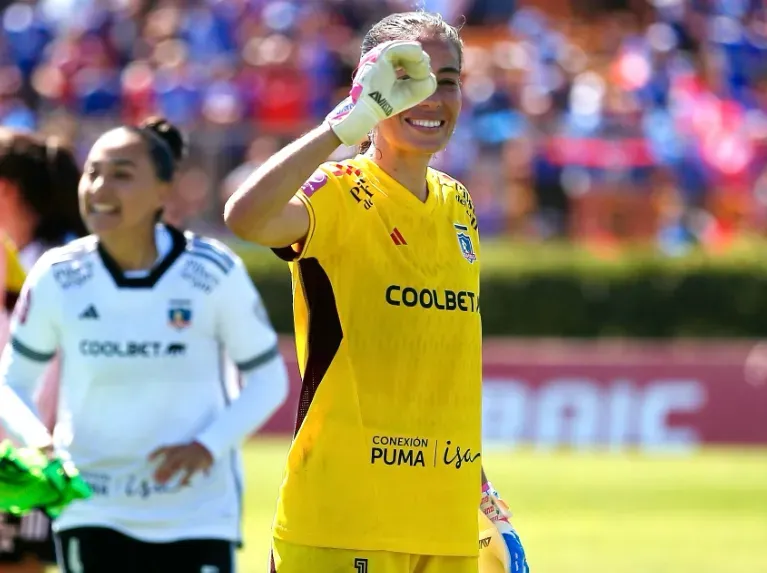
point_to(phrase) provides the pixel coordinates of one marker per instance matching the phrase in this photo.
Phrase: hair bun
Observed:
(168, 132)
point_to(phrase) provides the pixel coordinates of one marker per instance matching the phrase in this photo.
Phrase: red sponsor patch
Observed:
(339, 170)
(314, 183)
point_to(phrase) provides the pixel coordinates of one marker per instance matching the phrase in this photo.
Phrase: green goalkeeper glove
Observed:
(29, 480)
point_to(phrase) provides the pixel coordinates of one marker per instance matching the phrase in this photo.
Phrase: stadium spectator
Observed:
(686, 95)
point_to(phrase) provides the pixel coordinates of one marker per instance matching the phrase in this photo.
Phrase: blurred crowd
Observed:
(642, 122)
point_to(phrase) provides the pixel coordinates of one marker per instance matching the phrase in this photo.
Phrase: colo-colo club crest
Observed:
(464, 242)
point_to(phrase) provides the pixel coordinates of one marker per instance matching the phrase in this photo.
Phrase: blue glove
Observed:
(498, 513)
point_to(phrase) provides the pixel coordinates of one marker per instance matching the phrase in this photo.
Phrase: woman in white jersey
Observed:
(38, 210)
(145, 318)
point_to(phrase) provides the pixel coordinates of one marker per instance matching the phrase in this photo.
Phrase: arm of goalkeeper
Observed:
(501, 548)
(30, 480)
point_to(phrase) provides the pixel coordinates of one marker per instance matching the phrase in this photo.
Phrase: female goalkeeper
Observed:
(384, 470)
(145, 318)
(38, 210)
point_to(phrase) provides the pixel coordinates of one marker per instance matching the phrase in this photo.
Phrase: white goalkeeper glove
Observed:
(378, 94)
(496, 510)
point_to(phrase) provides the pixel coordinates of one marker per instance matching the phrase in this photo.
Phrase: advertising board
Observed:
(584, 395)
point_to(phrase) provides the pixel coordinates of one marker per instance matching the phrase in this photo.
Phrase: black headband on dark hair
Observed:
(160, 152)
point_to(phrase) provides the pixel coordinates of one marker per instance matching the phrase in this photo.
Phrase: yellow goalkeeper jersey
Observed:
(12, 271)
(386, 454)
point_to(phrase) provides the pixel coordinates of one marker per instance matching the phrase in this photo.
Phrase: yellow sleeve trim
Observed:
(15, 274)
(301, 249)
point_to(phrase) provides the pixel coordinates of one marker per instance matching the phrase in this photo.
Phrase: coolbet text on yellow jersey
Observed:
(388, 334)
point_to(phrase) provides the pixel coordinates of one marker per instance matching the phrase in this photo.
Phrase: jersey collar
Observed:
(151, 279)
(394, 188)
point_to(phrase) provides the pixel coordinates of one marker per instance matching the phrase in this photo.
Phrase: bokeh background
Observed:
(590, 119)
(616, 151)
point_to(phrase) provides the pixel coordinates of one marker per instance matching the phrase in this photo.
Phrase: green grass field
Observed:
(595, 513)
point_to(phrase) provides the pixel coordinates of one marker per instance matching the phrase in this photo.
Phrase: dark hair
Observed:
(46, 175)
(166, 146)
(165, 143)
(411, 26)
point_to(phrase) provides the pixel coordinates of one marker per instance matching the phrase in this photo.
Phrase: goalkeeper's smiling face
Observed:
(427, 127)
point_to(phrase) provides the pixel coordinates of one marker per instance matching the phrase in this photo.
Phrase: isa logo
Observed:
(314, 183)
(180, 314)
(464, 242)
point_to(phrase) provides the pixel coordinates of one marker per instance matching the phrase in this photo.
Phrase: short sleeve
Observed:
(244, 326)
(322, 195)
(34, 331)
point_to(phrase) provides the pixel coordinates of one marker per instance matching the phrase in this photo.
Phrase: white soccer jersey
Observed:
(143, 366)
